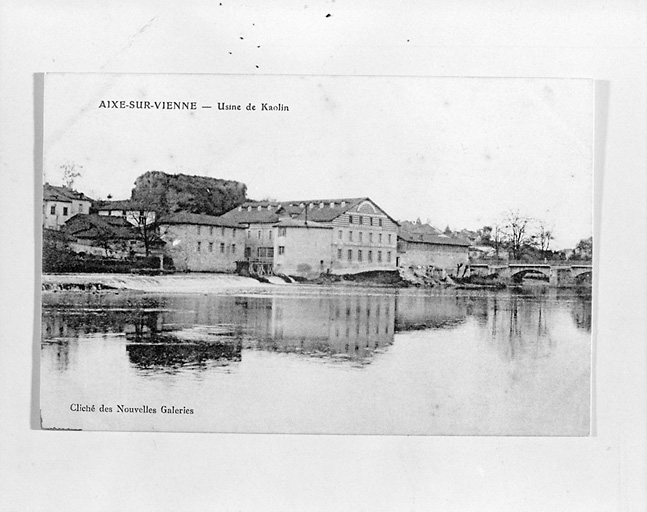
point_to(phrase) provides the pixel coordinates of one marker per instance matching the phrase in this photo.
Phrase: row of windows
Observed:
(222, 248)
(360, 235)
(223, 231)
(52, 210)
(361, 253)
(360, 220)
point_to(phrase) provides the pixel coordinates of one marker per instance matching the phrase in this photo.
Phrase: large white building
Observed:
(308, 238)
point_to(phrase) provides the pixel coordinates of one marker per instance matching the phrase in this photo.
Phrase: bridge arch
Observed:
(517, 275)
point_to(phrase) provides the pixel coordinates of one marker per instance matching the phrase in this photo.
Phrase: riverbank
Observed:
(172, 283)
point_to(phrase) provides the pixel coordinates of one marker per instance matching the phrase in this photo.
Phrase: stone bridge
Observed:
(560, 274)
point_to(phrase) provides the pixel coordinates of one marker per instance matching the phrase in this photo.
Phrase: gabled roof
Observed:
(270, 212)
(62, 194)
(423, 238)
(197, 219)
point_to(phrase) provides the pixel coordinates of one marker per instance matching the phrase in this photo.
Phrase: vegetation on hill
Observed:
(170, 193)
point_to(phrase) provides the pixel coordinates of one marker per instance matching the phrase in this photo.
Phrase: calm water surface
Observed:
(321, 360)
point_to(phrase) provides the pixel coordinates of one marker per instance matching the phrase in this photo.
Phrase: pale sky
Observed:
(456, 151)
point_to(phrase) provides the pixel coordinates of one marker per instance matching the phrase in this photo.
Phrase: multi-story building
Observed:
(202, 243)
(62, 203)
(307, 238)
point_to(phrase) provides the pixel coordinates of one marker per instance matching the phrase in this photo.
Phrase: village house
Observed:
(62, 203)
(112, 237)
(307, 238)
(202, 243)
(435, 251)
(136, 214)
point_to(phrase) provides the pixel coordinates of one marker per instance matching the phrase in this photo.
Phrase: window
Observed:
(233, 248)
(361, 219)
(389, 238)
(265, 252)
(359, 255)
(338, 254)
(379, 221)
(350, 219)
(340, 234)
(370, 256)
(249, 234)
(361, 236)
(81, 208)
(379, 256)
(282, 231)
(281, 249)
(210, 246)
(65, 210)
(350, 236)
(260, 234)
(199, 246)
(379, 238)
(370, 221)
(370, 237)
(350, 255)
(222, 248)
(270, 234)
(388, 256)
(211, 230)
(52, 210)
(222, 231)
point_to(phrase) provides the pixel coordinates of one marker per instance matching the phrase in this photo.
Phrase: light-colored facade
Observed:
(60, 204)
(308, 238)
(202, 243)
(440, 252)
(135, 215)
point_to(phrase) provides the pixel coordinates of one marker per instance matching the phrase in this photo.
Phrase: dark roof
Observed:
(297, 209)
(93, 226)
(62, 194)
(422, 238)
(197, 219)
(123, 204)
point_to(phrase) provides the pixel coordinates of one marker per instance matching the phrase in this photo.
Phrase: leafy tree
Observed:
(543, 237)
(584, 249)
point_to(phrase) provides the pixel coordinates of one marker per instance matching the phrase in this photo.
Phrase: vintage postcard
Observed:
(317, 254)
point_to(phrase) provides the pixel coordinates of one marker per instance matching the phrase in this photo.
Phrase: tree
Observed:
(71, 171)
(516, 231)
(584, 249)
(144, 220)
(543, 237)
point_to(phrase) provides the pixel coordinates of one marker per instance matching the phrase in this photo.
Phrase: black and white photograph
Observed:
(317, 254)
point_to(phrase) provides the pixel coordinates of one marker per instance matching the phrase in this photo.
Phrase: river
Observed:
(316, 359)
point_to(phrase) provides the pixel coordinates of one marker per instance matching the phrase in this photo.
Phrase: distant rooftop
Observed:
(62, 194)
(424, 238)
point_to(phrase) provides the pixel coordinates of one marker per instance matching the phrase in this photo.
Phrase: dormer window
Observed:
(259, 207)
(343, 203)
(302, 205)
(332, 205)
(321, 205)
(249, 208)
(240, 208)
(269, 206)
(311, 205)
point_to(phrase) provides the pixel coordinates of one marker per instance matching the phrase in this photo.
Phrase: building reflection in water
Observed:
(207, 330)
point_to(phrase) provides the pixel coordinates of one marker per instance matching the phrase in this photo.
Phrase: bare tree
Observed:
(144, 220)
(544, 237)
(516, 227)
(71, 171)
